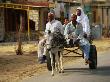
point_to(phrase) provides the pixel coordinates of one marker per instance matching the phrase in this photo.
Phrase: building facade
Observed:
(101, 15)
(98, 12)
(22, 14)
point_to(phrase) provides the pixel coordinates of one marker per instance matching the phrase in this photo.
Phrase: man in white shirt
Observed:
(52, 26)
(83, 19)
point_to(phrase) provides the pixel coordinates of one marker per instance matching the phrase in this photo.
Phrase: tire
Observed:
(49, 67)
(93, 57)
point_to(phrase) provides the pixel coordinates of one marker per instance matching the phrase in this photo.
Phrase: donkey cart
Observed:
(74, 50)
(56, 44)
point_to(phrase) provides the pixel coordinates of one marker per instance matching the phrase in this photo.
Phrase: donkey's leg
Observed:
(52, 63)
(61, 61)
(56, 61)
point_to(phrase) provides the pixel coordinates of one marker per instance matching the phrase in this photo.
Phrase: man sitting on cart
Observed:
(74, 32)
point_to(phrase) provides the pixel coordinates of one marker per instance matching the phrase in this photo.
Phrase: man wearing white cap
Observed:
(52, 26)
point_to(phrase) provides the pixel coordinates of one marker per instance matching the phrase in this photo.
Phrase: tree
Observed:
(19, 42)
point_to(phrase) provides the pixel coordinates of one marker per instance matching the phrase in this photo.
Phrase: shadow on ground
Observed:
(101, 71)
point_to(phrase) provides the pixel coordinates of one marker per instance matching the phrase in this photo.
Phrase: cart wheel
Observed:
(93, 57)
(49, 67)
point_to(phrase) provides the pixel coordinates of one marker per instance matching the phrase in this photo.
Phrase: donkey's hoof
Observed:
(52, 74)
(59, 71)
(62, 71)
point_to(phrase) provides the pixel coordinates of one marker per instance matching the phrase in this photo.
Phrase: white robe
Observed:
(83, 19)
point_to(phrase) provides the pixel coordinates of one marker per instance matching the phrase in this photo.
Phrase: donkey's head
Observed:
(55, 39)
(50, 43)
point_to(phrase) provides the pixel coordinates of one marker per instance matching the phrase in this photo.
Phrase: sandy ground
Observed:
(16, 67)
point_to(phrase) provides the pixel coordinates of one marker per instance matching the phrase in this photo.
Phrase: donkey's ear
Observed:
(49, 31)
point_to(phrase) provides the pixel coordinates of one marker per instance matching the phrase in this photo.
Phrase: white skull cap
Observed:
(52, 11)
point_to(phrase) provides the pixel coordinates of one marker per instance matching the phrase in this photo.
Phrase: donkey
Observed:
(55, 47)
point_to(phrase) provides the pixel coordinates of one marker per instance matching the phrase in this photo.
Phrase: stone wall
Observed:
(34, 16)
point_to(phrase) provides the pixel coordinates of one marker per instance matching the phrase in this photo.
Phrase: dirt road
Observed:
(77, 71)
(14, 68)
